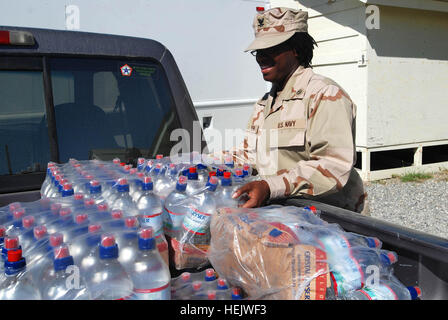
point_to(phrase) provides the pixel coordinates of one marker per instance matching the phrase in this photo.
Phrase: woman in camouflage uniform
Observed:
(301, 136)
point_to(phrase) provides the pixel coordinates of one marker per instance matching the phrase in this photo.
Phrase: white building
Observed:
(391, 56)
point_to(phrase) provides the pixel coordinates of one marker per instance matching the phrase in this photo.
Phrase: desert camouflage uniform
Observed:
(303, 143)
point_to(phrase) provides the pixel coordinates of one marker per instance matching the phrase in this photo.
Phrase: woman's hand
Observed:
(257, 191)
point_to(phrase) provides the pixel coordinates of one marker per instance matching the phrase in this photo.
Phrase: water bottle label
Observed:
(161, 293)
(347, 271)
(153, 220)
(197, 222)
(379, 292)
(174, 220)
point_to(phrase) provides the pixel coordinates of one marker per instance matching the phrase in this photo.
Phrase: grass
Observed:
(414, 177)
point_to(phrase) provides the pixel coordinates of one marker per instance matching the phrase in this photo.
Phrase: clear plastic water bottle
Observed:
(150, 275)
(16, 284)
(202, 173)
(210, 280)
(95, 192)
(194, 184)
(82, 226)
(350, 268)
(150, 207)
(236, 294)
(136, 190)
(85, 250)
(41, 259)
(180, 283)
(48, 180)
(27, 232)
(196, 224)
(11, 242)
(175, 208)
(141, 162)
(165, 184)
(109, 190)
(156, 172)
(128, 243)
(224, 194)
(124, 201)
(62, 284)
(387, 289)
(2, 236)
(108, 280)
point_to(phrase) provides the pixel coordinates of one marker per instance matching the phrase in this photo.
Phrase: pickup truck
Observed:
(82, 95)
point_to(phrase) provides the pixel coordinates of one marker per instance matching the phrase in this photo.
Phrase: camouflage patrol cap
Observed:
(277, 25)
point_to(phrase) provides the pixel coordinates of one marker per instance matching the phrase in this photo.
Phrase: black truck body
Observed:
(423, 258)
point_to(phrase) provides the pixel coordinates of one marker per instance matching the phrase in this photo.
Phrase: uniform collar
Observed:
(294, 88)
(297, 83)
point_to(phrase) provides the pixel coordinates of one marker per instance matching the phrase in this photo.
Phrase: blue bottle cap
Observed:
(67, 190)
(62, 258)
(236, 294)
(147, 184)
(373, 242)
(222, 284)
(123, 185)
(192, 174)
(181, 184)
(14, 262)
(94, 187)
(108, 247)
(210, 275)
(415, 292)
(212, 183)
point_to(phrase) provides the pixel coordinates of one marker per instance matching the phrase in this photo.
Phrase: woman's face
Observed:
(277, 63)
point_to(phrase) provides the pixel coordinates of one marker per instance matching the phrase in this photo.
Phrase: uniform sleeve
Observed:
(330, 141)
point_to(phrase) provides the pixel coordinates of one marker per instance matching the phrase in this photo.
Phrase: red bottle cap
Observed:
(186, 276)
(102, 207)
(131, 222)
(40, 232)
(65, 212)
(117, 214)
(211, 295)
(14, 255)
(28, 222)
(56, 239)
(79, 196)
(18, 213)
(146, 233)
(107, 240)
(11, 242)
(81, 218)
(94, 227)
(197, 285)
(61, 252)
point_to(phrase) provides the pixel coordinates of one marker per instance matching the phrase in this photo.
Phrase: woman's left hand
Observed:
(257, 191)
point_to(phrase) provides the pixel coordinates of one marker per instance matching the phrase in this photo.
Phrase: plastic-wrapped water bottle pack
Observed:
(106, 230)
(280, 252)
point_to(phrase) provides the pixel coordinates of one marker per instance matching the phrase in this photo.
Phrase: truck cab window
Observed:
(24, 144)
(105, 107)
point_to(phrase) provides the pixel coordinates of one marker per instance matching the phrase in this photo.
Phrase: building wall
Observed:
(408, 77)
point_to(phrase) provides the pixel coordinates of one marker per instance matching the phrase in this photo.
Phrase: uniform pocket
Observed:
(287, 137)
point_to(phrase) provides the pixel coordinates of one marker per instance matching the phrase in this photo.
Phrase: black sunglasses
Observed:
(272, 50)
